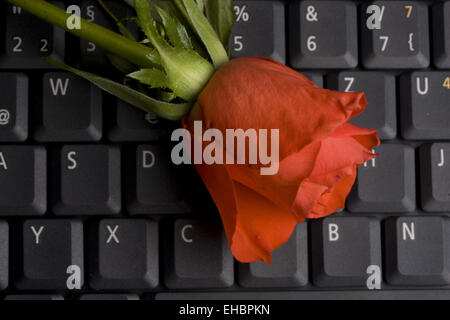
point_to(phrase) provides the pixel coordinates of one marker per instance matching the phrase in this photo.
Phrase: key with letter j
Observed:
(435, 177)
(395, 35)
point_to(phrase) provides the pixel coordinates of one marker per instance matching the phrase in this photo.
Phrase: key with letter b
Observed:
(347, 252)
(395, 35)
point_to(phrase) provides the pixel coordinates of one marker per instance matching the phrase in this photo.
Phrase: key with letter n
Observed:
(417, 251)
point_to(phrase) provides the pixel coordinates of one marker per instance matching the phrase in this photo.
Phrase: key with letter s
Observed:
(395, 35)
(87, 180)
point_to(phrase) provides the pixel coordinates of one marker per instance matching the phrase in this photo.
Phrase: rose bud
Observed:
(319, 151)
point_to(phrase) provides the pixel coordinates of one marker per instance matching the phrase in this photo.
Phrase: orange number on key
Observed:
(409, 8)
(446, 83)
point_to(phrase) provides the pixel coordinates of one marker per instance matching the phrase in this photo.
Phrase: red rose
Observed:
(319, 152)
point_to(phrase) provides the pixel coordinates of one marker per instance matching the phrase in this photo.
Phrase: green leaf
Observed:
(204, 30)
(169, 111)
(154, 78)
(123, 30)
(187, 72)
(221, 15)
(176, 32)
(121, 64)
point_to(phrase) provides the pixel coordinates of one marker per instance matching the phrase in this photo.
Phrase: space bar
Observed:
(311, 295)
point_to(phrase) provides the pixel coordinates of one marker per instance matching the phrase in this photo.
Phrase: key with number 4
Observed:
(395, 35)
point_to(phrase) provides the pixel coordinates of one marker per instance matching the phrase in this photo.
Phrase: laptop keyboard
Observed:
(91, 206)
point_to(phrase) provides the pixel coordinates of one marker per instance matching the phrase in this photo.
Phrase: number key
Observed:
(259, 30)
(28, 38)
(395, 35)
(323, 34)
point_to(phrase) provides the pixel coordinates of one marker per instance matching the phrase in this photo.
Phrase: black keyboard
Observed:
(91, 206)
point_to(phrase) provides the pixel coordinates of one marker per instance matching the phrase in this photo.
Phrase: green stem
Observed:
(110, 41)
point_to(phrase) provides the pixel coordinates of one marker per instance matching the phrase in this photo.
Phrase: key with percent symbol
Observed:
(259, 30)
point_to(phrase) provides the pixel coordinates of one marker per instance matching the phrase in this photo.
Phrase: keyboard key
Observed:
(385, 184)
(259, 30)
(380, 113)
(130, 124)
(157, 186)
(71, 109)
(87, 180)
(323, 34)
(109, 297)
(88, 55)
(197, 256)
(317, 78)
(424, 107)
(23, 180)
(289, 267)
(27, 39)
(52, 255)
(347, 250)
(435, 177)
(417, 251)
(4, 255)
(33, 297)
(13, 107)
(395, 35)
(441, 34)
(124, 255)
